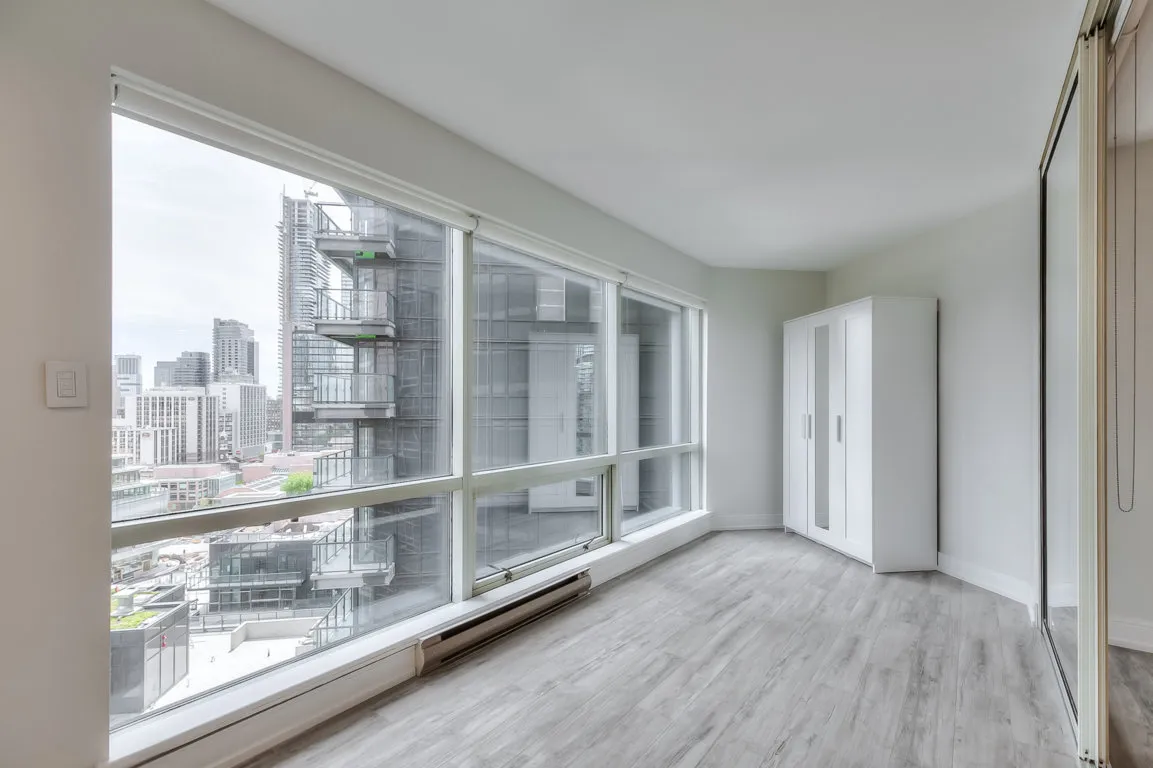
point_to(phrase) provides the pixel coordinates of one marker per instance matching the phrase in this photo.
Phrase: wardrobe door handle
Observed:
(839, 428)
(810, 426)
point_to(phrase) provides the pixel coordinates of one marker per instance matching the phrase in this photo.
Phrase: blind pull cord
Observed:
(1124, 506)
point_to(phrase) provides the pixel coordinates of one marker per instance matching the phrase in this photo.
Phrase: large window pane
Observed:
(654, 372)
(1060, 397)
(654, 489)
(272, 335)
(192, 614)
(519, 527)
(538, 390)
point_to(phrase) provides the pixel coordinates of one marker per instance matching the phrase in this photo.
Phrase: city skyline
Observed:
(226, 209)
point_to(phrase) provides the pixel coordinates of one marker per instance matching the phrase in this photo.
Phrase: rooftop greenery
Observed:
(131, 621)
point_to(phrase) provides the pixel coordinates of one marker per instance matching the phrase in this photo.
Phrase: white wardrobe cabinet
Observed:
(860, 431)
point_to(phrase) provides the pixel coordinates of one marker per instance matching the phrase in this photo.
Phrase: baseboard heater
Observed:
(451, 644)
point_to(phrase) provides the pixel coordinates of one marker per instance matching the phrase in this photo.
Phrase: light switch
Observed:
(65, 384)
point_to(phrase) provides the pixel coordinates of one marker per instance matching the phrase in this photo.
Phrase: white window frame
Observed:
(159, 106)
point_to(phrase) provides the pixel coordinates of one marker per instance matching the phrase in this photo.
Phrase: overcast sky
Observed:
(194, 237)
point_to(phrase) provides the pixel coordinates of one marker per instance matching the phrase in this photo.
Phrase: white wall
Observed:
(984, 270)
(747, 308)
(55, 61)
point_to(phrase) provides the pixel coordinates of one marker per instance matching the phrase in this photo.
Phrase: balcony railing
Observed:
(353, 389)
(338, 623)
(344, 549)
(343, 470)
(354, 221)
(349, 304)
(209, 577)
(133, 507)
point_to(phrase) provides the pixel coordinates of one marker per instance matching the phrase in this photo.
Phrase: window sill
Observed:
(195, 733)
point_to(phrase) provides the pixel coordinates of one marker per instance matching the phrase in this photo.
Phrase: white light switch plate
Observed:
(65, 384)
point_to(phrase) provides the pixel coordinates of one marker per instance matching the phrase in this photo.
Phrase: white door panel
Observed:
(796, 426)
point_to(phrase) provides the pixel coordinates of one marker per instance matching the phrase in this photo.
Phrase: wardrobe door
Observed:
(857, 433)
(821, 422)
(836, 429)
(796, 426)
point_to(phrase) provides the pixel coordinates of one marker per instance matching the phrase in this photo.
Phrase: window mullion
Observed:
(612, 392)
(697, 379)
(197, 522)
(464, 501)
(528, 475)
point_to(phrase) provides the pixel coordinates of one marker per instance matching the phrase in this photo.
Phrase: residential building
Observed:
(190, 411)
(128, 381)
(235, 352)
(146, 446)
(193, 485)
(243, 418)
(275, 415)
(190, 369)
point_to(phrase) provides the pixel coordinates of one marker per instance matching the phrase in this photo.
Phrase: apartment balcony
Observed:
(343, 559)
(343, 470)
(343, 396)
(364, 234)
(350, 315)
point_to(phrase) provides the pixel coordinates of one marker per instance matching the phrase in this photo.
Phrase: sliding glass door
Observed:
(1059, 396)
(1072, 385)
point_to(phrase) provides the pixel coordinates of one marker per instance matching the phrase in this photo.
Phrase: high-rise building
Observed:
(127, 381)
(190, 411)
(191, 369)
(164, 374)
(303, 283)
(235, 352)
(275, 416)
(244, 418)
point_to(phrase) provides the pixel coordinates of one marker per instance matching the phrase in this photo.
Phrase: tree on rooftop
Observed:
(297, 483)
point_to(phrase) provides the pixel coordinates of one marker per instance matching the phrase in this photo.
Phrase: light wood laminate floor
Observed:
(754, 649)
(1130, 708)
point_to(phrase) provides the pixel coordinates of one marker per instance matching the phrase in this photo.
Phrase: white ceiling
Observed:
(767, 133)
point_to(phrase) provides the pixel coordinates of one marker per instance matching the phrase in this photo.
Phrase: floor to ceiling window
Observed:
(332, 414)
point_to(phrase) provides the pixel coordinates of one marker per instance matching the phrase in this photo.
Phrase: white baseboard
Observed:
(977, 575)
(746, 522)
(1062, 594)
(1131, 633)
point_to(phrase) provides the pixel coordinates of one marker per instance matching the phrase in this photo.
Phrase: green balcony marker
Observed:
(365, 254)
(366, 335)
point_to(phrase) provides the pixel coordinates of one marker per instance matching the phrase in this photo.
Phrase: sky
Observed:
(193, 237)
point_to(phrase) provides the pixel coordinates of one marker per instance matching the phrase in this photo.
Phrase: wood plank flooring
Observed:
(755, 649)
(1130, 708)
